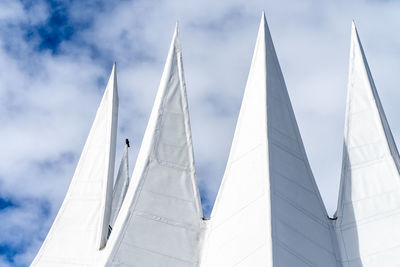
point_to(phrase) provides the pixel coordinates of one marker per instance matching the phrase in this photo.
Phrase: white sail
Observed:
(268, 211)
(369, 199)
(160, 220)
(120, 186)
(81, 226)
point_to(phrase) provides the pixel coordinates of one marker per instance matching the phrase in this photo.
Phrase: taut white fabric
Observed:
(268, 211)
(81, 226)
(368, 224)
(160, 220)
(120, 186)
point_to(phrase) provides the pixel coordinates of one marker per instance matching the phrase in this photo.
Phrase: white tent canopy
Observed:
(268, 211)
(81, 226)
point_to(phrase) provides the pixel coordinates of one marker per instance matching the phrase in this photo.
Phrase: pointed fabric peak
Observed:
(120, 186)
(359, 55)
(268, 211)
(369, 196)
(81, 225)
(105, 213)
(254, 102)
(112, 81)
(163, 198)
(239, 233)
(356, 44)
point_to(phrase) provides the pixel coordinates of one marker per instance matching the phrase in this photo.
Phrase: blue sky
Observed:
(55, 58)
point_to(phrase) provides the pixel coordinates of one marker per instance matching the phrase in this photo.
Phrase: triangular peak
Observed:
(160, 221)
(239, 233)
(369, 196)
(268, 210)
(362, 95)
(81, 226)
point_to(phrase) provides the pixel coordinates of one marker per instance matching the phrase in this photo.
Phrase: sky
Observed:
(56, 56)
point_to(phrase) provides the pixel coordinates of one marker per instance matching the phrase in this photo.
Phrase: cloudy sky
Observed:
(55, 58)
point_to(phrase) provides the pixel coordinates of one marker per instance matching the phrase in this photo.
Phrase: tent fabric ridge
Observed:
(241, 156)
(368, 163)
(165, 255)
(293, 182)
(368, 220)
(171, 196)
(250, 254)
(305, 212)
(294, 154)
(372, 197)
(170, 164)
(288, 249)
(165, 220)
(306, 237)
(283, 133)
(365, 145)
(239, 211)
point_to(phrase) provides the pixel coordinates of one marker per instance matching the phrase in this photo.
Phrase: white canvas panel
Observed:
(268, 198)
(160, 222)
(229, 245)
(240, 221)
(81, 226)
(299, 220)
(369, 200)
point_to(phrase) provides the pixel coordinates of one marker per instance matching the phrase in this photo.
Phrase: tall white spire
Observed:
(369, 198)
(81, 226)
(160, 220)
(268, 211)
